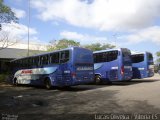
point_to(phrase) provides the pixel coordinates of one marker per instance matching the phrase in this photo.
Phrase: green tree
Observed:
(158, 56)
(157, 65)
(61, 44)
(98, 46)
(6, 14)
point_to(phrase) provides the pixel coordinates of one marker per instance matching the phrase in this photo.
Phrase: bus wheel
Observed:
(15, 82)
(47, 83)
(97, 79)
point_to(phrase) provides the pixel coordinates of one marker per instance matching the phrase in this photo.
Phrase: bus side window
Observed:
(64, 57)
(113, 56)
(26, 63)
(12, 64)
(44, 60)
(22, 63)
(150, 57)
(98, 57)
(15, 63)
(109, 56)
(118, 53)
(18, 63)
(95, 57)
(36, 61)
(29, 62)
(32, 62)
(54, 58)
(40, 60)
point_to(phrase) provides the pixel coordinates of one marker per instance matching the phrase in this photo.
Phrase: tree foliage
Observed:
(98, 46)
(64, 43)
(157, 65)
(6, 14)
(158, 56)
(5, 40)
(61, 44)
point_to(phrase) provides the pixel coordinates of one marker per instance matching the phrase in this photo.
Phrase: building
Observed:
(8, 54)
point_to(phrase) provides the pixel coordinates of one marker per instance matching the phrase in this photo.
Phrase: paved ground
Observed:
(134, 97)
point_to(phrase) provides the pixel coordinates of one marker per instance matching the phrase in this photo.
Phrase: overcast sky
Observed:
(134, 24)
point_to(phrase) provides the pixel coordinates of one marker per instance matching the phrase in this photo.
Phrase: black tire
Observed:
(97, 79)
(128, 80)
(47, 83)
(15, 82)
(67, 87)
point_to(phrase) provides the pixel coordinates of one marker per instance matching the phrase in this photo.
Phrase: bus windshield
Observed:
(126, 54)
(137, 58)
(105, 56)
(150, 58)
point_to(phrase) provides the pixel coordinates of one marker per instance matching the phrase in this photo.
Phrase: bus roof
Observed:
(137, 53)
(119, 49)
(69, 48)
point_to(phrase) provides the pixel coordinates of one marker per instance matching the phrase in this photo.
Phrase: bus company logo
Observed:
(84, 68)
(26, 72)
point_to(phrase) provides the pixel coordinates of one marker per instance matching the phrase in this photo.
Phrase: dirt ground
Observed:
(81, 102)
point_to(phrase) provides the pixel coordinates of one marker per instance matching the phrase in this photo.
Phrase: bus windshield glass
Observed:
(150, 58)
(105, 56)
(126, 54)
(137, 58)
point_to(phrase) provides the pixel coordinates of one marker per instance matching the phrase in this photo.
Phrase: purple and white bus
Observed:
(67, 67)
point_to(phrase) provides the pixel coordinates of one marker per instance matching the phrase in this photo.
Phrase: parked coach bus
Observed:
(142, 65)
(112, 65)
(67, 67)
